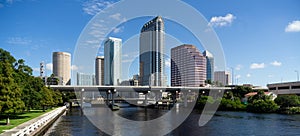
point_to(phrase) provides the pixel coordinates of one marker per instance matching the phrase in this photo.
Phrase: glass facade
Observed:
(112, 61)
(152, 62)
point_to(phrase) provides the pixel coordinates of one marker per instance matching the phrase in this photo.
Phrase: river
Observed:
(223, 123)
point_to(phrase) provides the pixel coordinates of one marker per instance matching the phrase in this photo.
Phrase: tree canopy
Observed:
(19, 90)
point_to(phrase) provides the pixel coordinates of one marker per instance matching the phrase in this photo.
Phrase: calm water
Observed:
(223, 123)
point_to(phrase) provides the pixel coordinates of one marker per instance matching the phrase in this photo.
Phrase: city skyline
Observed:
(260, 46)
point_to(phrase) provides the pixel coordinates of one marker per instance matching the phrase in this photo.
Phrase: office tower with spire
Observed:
(152, 42)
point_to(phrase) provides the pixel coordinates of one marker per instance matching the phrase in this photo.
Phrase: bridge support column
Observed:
(81, 101)
(107, 99)
(146, 99)
(112, 99)
(185, 98)
(174, 98)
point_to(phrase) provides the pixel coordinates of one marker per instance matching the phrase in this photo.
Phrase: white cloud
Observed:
(74, 67)
(36, 69)
(129, 57)
(293, 26)
(238, 76)
(92, 7)
(276, 63)
(18, 41)
(168, 63)
(248, 75)
(49, 66)
(221, 21)
(118, 30)
(238, 67)
(257, 66)
(118, 17)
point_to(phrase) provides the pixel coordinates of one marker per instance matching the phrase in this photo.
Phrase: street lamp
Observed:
(297, 74)
(232, 76)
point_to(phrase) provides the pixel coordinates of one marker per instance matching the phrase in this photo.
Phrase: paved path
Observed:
(25, 124)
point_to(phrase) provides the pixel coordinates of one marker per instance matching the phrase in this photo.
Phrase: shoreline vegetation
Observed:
(22, 94)
(233, 100)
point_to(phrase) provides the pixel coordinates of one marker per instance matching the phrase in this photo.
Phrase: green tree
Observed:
(240, 91)
(287, 100)
(261, 103)
(10, 93)
(202, 100)
(262, 106)
(47, 100)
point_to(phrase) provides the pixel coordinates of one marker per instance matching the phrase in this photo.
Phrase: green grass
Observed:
(19, 119)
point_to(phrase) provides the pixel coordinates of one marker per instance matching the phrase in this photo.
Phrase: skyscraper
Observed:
(99, 70)
(209, 65)
(188, 66)
(85, 79)
(222, 77)
(112, 61)
(62, 66)
(152, 53)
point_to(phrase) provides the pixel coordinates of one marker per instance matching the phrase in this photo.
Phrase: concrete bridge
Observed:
(157, 91)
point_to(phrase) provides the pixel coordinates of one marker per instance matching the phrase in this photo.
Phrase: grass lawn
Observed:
(19, 119)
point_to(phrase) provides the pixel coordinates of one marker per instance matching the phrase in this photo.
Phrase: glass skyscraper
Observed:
(152, 62)
(112, 61)
(209, 65)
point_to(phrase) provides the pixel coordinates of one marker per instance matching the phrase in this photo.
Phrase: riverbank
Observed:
(36, 125)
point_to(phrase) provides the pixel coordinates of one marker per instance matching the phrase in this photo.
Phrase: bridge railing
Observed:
(40, 123)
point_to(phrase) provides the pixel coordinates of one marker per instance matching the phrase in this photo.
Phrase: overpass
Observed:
(285, 88)
(142, 89)
(155, 90)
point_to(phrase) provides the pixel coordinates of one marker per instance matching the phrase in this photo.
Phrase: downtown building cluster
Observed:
(189, 67)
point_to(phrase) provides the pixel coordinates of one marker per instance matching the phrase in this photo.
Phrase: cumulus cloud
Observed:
(293, 26)
(248, 75)
(92, 7)
(276, 63)
(257, 66)
(118, 30)
(220, 21)
(49, 66)
(118, 17)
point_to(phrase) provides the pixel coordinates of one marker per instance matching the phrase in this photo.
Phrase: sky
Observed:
(260, 39)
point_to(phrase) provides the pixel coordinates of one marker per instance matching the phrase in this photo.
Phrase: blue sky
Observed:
(260, 39)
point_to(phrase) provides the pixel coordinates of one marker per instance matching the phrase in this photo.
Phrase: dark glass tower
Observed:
(152, 53)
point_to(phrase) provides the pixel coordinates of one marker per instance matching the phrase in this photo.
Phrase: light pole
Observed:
(297, 74)
(232, 76)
